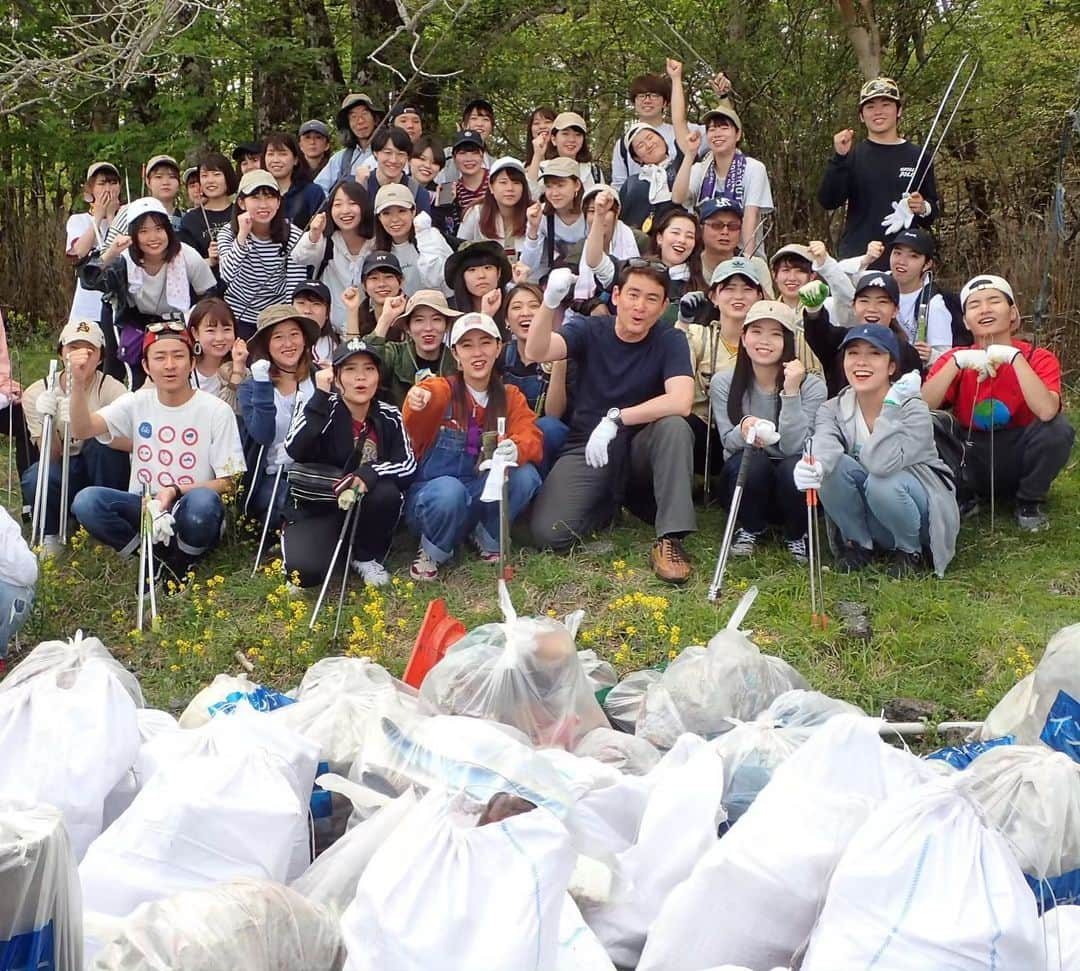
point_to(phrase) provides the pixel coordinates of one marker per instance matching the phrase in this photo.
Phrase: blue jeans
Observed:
(891, 512)
(15, 604)
(444, 507)
(111, 516)
(555, 431)
(260, 498)
(95, 465)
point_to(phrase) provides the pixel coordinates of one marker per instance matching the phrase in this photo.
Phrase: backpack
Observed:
(950, 440)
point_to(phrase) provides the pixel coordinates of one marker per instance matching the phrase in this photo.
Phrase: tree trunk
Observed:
(275, 94)
(372, 22)
(320, 38)
(863, 32)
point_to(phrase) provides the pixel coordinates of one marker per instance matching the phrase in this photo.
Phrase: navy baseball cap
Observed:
(381, 260)
(877, 334)
(313, 288)
(916, 239)
(880, 281)
(725, 202)
(467, 138)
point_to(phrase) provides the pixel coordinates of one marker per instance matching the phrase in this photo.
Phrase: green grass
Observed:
(957, 643)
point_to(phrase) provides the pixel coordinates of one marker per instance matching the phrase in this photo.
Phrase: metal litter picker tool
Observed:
(813, 551)
(729, 529)
(506, 571)
(41, 491)
(146, 560)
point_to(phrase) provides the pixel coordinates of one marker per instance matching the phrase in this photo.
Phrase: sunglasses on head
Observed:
(160, 326)
(640, 263)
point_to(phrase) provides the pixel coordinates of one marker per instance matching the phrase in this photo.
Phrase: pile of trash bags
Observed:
(719, 815)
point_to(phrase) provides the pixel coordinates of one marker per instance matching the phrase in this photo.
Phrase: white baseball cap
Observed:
(986, 281)
(474, 321)
(81, 330)
(143, 207)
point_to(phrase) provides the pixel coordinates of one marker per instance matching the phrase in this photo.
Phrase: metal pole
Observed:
(149, 527)
(266, 521)
(729, 529)
(254, 480)
(140, 586)
(714, 341)
(813, 550)
(933, 124)
(506, 572)
(355, 513)
(65, 464)
(330, 568)
(948, 125)
(41, 494)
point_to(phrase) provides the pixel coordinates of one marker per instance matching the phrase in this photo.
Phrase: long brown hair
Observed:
(665, 219)
(489, 208)
(496, 406)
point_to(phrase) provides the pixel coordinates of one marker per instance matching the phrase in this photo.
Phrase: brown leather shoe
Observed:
(669, 560)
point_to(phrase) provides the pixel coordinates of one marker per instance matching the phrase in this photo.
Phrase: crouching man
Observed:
(1006, 395)
(629, 434)
(185, 447)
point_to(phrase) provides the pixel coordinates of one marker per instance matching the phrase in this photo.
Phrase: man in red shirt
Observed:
(1008, 395)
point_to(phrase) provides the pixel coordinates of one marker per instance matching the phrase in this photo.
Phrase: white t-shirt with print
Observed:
(756, 188)
(938, 319)
(175, 445)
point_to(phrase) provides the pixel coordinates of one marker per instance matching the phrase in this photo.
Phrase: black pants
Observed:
(1026, 459)
(716, 448)
(309, 539)
(769, 496)
(25, 452)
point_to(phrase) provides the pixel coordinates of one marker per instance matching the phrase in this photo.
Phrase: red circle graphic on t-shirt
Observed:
(143, 475)
(166, 434)
(165, 478)
(189, 436)
(164, 457)
(187, 460)
(185, 480)
(145, 453)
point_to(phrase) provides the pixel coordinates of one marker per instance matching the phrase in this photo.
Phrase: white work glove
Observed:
(278, 457)
(506, 450)
(973, 359)
(763, 431)
(559, 283)
(904, 388)
(813, 295)
(808, 476)
(162, 523)
(48, 401)
(421, 221)
(998, 354)
(596, 448)
(260, 370)
(900, 218)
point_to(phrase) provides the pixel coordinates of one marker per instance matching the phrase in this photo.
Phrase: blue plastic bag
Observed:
(961, 756)
(261, 699)
(1062, 729)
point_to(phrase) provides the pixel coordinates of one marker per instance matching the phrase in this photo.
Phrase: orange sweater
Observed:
(423, 426)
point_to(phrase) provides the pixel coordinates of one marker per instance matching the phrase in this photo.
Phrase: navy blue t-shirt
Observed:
(613, 373)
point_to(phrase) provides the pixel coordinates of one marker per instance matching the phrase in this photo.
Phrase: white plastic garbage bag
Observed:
(245, 925)
(198, 821)
(579, 947)
(707, 686)
(754, 897)
(1061, 931)
(62, 660)
(344, 675)
(67, 737)
(1022, 712)
(445, 893)
(624, 702)
(678, 828)
(40, 903)
(800, 708)
(151, 723)
(627, 753)
(331, 880)
(751, 752)
(924, 886)
(1031, 795)
(599, 672)
(525, 673)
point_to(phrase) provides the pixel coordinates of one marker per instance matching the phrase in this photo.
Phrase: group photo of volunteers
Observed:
(578, 487)
(621, 332)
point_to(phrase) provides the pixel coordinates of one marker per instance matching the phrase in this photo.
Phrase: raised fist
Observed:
(843, 140)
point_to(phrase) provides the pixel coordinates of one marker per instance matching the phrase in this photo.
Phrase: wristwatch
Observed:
(614, 415)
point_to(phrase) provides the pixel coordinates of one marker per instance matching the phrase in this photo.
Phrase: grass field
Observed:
(956, 643)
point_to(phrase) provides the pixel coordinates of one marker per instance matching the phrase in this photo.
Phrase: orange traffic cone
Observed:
(437, 632)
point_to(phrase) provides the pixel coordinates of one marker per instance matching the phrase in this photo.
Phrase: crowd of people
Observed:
(401, 318)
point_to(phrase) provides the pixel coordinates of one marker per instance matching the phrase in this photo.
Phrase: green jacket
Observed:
(401, 366)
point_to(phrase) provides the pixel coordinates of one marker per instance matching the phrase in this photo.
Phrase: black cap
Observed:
(467, 137)
(381, 260)
(246, 148)
(880, 281)
(352, 347)
(318, 290)
(405, 110)
(917, 239)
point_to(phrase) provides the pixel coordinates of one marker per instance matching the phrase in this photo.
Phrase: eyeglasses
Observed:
(160, 326)
(640, 263)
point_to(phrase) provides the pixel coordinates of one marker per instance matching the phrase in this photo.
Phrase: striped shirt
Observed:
(257, 274)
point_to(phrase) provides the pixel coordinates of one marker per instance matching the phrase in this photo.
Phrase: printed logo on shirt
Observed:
(143, 475)
(166, 434)
(990, 412)
(189, 436)
(145, 429)
(185, 480)
(187, 460)
(164, 457)
(144, 453)
(165, 479)
(906, 172)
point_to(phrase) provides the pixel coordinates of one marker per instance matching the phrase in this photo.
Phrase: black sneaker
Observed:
(1031, 518)
(906, 564)
(854, 558)
(970, 507)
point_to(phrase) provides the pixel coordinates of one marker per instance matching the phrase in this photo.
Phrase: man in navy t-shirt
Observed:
(628, 433)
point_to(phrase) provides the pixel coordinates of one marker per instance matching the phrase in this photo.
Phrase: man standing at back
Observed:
(629, 435)
(873, 176)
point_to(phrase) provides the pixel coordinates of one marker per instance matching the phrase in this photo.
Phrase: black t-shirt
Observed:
(613, 373)
(870, 178)
(193, 229)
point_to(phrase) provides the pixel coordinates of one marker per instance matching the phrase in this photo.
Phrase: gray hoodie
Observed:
(902, 440)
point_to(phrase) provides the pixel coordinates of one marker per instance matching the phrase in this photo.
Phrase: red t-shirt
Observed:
(998, 401)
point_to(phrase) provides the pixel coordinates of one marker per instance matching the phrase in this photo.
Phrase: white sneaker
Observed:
(743, 542)
(50, 546)
(373, 572)
(423, 567)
